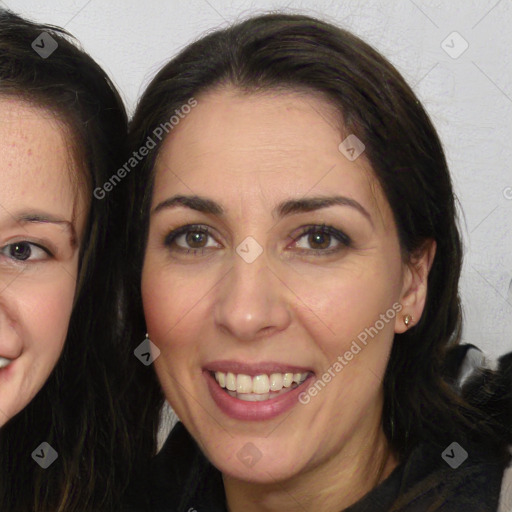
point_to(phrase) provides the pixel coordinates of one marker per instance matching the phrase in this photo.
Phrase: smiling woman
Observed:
(63, 371)
(299, 260)
(39, 249)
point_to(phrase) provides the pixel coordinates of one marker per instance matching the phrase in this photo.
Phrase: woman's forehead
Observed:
(37, 165)
(278, 144)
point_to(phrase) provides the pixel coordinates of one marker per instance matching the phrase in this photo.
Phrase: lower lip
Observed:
(253, 411)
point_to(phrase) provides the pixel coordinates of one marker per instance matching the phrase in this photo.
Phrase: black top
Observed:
(182, 479)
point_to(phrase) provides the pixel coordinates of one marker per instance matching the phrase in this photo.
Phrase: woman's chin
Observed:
(258, 461)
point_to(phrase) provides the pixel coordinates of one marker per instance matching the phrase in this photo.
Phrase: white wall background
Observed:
(469, 99)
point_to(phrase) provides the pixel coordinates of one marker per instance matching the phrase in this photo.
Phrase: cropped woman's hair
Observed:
(299, 53)
(83, 410)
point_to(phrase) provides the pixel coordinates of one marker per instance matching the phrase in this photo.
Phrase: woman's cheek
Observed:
(157, 298)
(48, 314)
(171, 300)
(338, 299)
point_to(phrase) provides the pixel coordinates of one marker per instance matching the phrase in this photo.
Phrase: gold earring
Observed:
(407, 320)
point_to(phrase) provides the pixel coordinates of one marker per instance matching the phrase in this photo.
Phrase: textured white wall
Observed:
(469, 99)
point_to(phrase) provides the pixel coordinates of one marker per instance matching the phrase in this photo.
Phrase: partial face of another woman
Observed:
(41, 223)
(269, 253)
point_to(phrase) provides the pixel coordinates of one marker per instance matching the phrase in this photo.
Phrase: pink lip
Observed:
(253, 411)
(253, 369)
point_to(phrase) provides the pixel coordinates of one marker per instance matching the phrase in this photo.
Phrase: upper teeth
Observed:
(260, 384)
(4, 362)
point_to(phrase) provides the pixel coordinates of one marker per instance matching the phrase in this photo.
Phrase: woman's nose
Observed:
(252, 301)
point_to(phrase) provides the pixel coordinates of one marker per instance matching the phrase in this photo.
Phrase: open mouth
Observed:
(258, 388)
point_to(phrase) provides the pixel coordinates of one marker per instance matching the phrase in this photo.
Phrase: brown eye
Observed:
(319, 240)
(191, 238)
(196, 239)
(322, 240)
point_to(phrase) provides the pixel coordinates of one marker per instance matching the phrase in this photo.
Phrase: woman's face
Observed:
(243, 288)
(41, 222)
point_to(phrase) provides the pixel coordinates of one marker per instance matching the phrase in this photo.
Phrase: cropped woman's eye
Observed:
(321, 240)
(25, 251)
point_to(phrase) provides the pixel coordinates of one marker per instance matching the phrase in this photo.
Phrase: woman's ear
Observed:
(414, 289)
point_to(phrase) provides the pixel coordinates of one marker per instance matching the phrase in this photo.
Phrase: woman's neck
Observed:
(331, 486)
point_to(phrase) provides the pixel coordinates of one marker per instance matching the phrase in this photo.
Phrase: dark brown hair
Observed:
(374, 102)
(83, 411)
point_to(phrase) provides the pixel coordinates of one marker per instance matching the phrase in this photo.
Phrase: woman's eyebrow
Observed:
(308, 204)
(200, 204)
(47, 218)
(289, 207)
